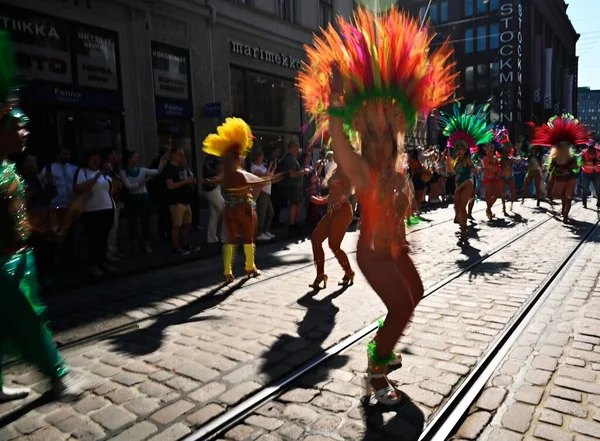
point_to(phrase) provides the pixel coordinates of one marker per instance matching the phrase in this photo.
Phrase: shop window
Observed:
(443, 12)
(286, 10)
(494, 5)
(433, 13)
(481, 38)
(325, 13)
(469, 80)
(494, 74)
(468, 8)
(481, 81)
(469, 41)
(238, 102)
(494, 36)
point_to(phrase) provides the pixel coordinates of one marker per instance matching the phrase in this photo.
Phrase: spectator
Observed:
(277, 188)
(111, 168)
(194, 198)
(264, 207)
(293, 185)
(157, 190)
(212, 192)
(98, 211)
(312, 187)
(137, 202)
(179, 194)
(62, 173)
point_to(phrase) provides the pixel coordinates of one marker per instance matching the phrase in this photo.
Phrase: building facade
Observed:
(137, 74)
(588, 108)
(517, 55)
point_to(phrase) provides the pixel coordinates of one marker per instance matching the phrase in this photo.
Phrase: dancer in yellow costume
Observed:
(232, 142)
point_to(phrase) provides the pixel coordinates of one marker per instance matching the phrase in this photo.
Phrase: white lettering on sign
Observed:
(167, 56)
(278, 58)
(67, 96)
(511, 61)
(28, 27)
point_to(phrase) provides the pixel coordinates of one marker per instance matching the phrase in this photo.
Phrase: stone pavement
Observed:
(549, 386)
(180, 370)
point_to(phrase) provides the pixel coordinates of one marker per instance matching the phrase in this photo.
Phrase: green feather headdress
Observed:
(472, 128)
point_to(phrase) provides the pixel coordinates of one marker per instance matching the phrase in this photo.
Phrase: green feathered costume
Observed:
(23, 330)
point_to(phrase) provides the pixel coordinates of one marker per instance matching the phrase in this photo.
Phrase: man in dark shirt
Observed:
(212, 193)
(180, 189)
(293, 184)
(158, 193)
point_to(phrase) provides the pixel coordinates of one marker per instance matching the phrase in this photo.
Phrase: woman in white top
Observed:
(264, 207)
(137, 201)
(98, 210)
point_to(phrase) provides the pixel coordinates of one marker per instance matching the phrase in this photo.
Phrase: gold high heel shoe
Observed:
(348, 279)
(321, 278)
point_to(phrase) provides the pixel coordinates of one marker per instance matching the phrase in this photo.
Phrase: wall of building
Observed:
(205, 40)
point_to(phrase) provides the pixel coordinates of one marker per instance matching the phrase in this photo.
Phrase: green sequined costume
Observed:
(23, 331)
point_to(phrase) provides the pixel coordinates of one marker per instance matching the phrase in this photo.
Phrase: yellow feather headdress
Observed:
(233, 135)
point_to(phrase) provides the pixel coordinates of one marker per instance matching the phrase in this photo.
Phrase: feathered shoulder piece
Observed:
(386, 58)
(472, 128)
(9, 92)
(234, 135)
(561, 128)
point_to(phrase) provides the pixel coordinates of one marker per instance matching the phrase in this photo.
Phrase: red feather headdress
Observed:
(561, 128)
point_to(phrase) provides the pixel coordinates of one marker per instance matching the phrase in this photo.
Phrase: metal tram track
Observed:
(237, 414)
(137, 323)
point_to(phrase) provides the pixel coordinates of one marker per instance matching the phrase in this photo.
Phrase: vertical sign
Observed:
(537, 66)
(41, 44)
(548, 79)
(511, 61)
(96, 58)
(170, 66)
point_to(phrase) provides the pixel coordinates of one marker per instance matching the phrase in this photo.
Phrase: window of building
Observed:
(494, 74)
(468, 41)
(325, 13)
(494, 36)
(443, 12)
(265, 102)
(433, 13)
(286, 10)
(243, 2)
(481, 80)
(481, 38)
(481, 6)
(468, 8)
(494, 5)
(469, 80)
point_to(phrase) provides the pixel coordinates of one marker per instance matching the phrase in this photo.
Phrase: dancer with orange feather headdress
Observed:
(232, 142)
(375, 77)
(561, 133)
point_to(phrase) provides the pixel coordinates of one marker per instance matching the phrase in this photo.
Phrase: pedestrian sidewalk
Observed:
(549, 386)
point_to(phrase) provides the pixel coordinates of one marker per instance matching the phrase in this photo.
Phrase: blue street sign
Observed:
(212, 110)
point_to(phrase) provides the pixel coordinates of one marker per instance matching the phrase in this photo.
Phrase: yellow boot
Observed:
(251, 270)
(228, 252)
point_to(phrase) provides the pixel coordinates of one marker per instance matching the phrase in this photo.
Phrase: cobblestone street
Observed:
(211, 347)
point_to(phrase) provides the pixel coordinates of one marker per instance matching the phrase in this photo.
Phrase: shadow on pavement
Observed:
(13, 416)
(402, 422)
(313, 330)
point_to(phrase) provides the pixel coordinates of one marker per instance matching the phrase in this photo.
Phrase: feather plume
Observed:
(561, 128)
(234, 135)
(381, 57)
(469, 128)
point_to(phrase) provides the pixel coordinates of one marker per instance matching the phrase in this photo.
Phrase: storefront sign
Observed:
(96, 58)
(256, 52)
(72, 96)
(511, 61)
(166, 108)
(41, 44)
(212, 110)
(170, 66)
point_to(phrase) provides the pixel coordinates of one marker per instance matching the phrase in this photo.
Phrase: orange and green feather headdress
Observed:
(386, 58)
(234, 135)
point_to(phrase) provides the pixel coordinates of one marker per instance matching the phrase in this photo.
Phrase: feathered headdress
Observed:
(472, 128)
(501, 135)
(384, 58)
(561, 128)
(9, 92)
(234, 135)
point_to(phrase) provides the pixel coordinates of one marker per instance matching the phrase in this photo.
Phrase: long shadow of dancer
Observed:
(288, 352)
(145, 341)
